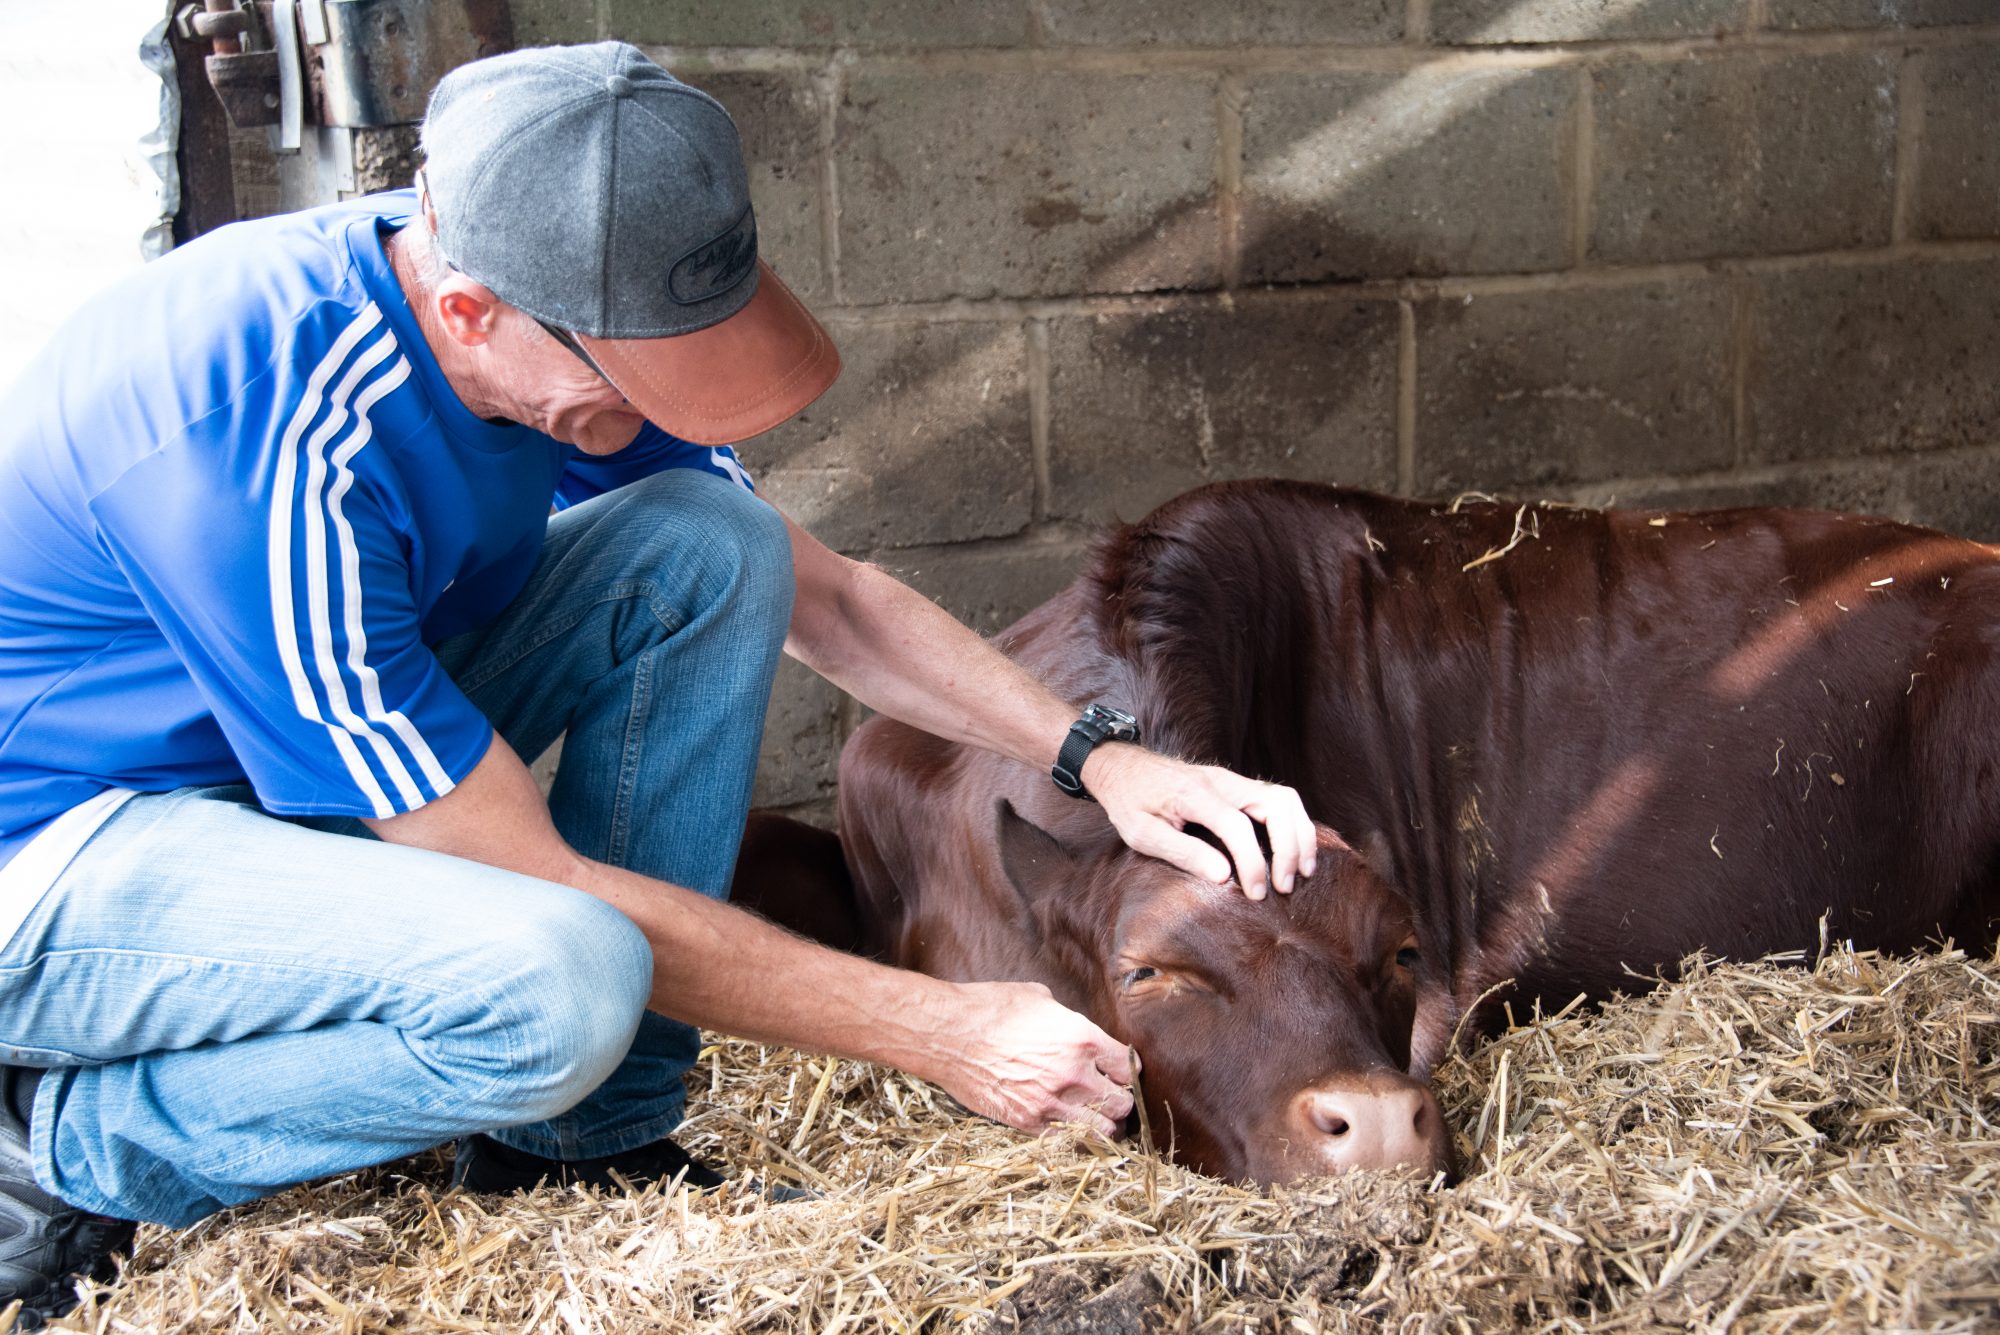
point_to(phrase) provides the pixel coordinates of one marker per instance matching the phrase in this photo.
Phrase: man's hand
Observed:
(1149, 797)
(1032, 1063)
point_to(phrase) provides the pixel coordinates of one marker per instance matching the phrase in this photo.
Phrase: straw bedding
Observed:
(1754, 1147)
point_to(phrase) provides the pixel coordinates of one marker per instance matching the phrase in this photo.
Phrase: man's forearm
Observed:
(1005, 1049)
(899, 653)
(723, 968)
(903, 655)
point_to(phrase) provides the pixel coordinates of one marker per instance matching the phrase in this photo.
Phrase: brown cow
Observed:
(1570, 747)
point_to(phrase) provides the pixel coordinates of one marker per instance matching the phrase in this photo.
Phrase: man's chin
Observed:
(605, 434)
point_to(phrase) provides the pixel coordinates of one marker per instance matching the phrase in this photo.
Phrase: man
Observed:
(281, 577)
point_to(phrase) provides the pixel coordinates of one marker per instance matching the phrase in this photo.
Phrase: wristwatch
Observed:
(1100, 723)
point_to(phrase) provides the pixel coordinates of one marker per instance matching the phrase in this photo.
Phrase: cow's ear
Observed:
(1375, 852)
(1035, 863)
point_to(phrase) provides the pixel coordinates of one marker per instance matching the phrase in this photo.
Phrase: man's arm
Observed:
(899, 653)
(1007, 1050)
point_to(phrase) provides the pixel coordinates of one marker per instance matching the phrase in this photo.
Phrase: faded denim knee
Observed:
(570, 1004)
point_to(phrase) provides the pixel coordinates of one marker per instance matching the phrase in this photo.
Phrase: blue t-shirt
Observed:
(238, 504)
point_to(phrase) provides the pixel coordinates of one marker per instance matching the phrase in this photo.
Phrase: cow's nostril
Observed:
(1381, 1124)
(1327, 1116)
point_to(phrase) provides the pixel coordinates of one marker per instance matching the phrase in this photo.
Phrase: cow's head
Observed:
(1275, 1034)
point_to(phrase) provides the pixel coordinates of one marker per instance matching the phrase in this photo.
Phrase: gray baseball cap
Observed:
(591, 189)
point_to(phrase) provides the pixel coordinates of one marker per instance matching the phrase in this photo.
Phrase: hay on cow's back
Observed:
(1755, 1147)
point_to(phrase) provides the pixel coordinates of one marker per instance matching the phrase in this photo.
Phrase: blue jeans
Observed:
(228, 1002)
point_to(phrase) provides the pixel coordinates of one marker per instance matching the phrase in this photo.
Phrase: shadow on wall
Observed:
(927, 439)
(1106, 185)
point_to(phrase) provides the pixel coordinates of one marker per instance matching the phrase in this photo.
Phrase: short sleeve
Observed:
(265, 544)
(651, 451)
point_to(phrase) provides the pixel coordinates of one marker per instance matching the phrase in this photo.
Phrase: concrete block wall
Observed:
(1084, 254)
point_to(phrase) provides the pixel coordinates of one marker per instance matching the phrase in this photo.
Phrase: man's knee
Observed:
(736, 546)
(570, 1004)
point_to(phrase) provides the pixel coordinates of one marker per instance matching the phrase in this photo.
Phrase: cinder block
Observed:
(777, 113)
(823, 812)
(1872, 359)
(924, 439)
(1022, 185)
(801, 752)
(1959, 494)
(1876, 13)
(989, 588)
(818, 23)
(1744, 155)
(1958, 176)
(1548, 388)
(1205, 23)
(1871, 488)
(1479, 22)
(1143, 407)
(385, 158)
(553, 22)
(1354, 175)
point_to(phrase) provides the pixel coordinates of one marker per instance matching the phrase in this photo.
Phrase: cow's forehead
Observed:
(1335, 912)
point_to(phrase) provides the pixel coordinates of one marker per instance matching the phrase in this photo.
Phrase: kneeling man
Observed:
(285, 608)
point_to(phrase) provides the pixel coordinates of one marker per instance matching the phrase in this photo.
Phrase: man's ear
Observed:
(1036, 865)
(466, 309)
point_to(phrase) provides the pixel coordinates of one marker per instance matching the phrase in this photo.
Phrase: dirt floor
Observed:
(1756, 1148)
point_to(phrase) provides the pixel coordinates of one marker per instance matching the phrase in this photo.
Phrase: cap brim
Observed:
(732, 380)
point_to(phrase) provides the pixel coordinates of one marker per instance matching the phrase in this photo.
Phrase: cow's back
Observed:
(1637, 735)
(1586, 742)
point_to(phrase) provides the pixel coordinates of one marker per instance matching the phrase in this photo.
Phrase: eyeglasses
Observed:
(568, 340)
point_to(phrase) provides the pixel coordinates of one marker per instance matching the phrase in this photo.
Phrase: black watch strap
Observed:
(1100, 723)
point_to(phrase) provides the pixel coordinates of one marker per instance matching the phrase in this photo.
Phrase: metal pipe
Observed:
(224, 45)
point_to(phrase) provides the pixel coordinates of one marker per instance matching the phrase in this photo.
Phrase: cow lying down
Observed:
(1565, 748)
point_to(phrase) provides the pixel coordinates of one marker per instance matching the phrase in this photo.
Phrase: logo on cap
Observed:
(714, 267)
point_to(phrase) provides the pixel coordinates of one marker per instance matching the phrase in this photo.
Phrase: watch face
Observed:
(1116, 722)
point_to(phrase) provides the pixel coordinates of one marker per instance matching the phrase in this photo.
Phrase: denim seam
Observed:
(401, 979)
(505, 659)
(479, 1092)
(639, 705)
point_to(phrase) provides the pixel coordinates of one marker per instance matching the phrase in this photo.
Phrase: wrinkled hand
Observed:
(1149, 797)
(1025, 1059)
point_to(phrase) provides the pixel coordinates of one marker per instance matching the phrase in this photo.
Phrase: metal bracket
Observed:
(336, 161)
(286, 134)
(244, 67)
(358, 64)
(199, 24)
(312, 22)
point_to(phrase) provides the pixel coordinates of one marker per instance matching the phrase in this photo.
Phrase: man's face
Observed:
(538, 382)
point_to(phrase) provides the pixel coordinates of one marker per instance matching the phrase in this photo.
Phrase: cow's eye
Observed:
(1138, 975)
(1407, 957)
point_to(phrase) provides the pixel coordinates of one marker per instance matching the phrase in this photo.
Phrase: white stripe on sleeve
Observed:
(318, 576)
(350, 594)
(279, 553)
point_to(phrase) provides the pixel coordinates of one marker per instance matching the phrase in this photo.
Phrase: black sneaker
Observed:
(485, 1165)
(45, 1243)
